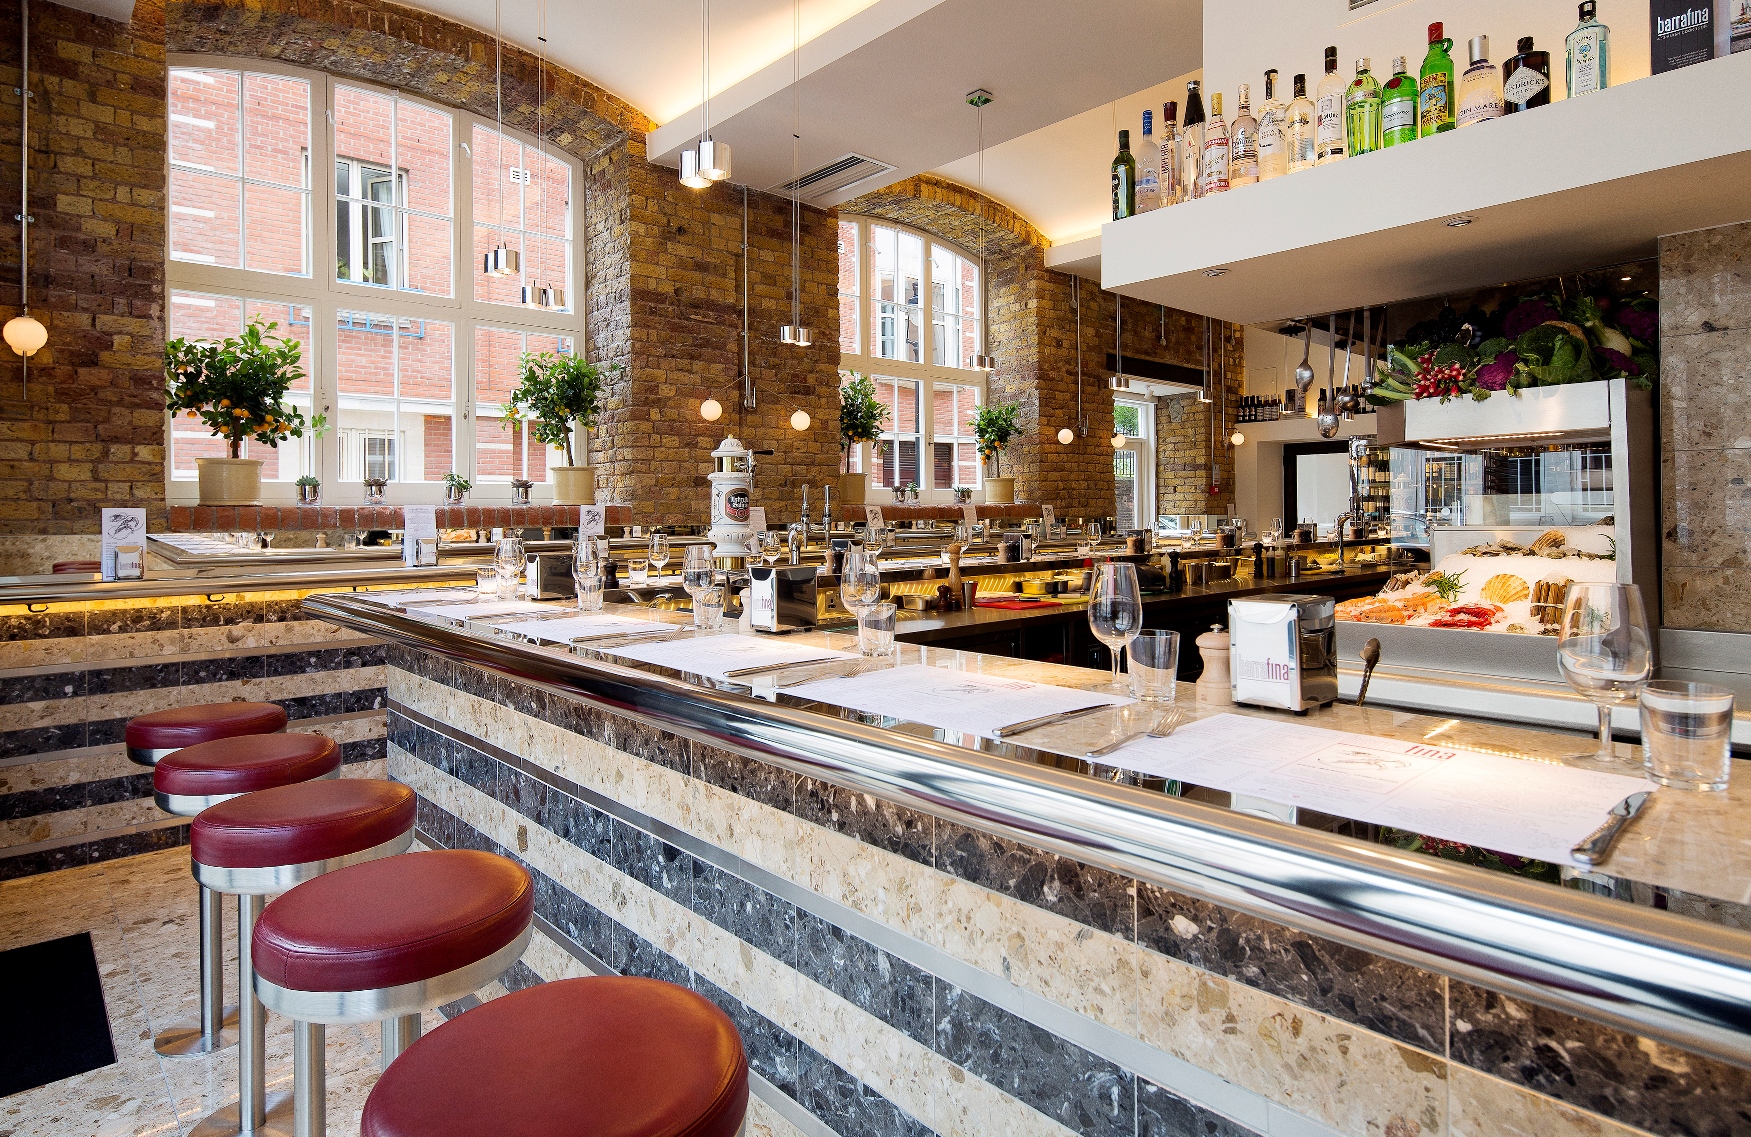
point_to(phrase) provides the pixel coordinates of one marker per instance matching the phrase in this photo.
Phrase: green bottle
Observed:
(1124, 179)
(1435, 87)
(1362, 111)
(1398, 106)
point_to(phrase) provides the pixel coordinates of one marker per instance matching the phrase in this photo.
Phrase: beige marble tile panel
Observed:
(94, 764)
(1705, 276)
(89, 819)
(98, 708)
(764, 1121)
(1706, 598)
(1705, 382)
(1489, 1107)
(43, 653)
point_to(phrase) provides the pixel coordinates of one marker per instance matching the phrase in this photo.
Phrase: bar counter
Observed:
(923, 932)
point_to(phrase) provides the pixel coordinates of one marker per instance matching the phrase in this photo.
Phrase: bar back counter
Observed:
(927, 933)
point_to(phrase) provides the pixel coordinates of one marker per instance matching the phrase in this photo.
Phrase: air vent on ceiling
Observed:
(833, 177)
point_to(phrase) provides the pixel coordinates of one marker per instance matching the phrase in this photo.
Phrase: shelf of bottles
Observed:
(1461, 173)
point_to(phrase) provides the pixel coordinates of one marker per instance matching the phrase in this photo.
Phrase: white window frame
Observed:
(1144, 447)
(927, 374)
(326, 297)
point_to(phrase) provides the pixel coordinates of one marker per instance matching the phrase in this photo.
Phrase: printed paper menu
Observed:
(715, 655)
(967, 702)
(589, 624)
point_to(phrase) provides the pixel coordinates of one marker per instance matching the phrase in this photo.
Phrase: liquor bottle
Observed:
(1398, 106)
(1435, 86)
(1480, 88)
(1589, 53)
(1218, 149)
(1125, 179)
(1273, 135)
(1362, 110)
(1191, 144)
(1525, 78)
(1243, 161)
(1328, 113)
(1148, 184)
(1298, 128)
(1169, 189)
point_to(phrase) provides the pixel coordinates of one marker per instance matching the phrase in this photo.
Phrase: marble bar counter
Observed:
(919, 932)
(79, 657)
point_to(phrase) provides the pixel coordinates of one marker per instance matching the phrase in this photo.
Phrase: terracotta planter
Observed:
(229, 481)
(574, 485)
(1000, 491)
(853, 489)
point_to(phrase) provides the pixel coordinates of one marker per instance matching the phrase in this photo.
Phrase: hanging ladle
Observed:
(1304, 372)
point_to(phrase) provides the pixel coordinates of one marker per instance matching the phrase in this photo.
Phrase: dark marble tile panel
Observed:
(893, 990)
(519, 976)
(654, 863)
(118, 680)
(120, 621)
(21, 865)
(749, 913)
(316, 706)
(363, 750)
(579, 824)
(433, 821)
(1163, 1113)
(522, 792)
(108, 732)
(849, 1108)
(56, 799)
(1080, 1090)
(745, 777)
(223, 670)
(635, 955)
(471, 767)
(773, 1052)
(223, 614)
(40, 688)
(41, 739)
(1083, 893)
(1395, 999)
(367, 699)
(887, 826)
(130, 844)
(1628, 1079)
(283, 611)
(575, 918)
(42, 626)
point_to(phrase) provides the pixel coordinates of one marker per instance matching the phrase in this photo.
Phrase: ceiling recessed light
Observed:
(1627, 278)
(1457, 222)
(1215, 272)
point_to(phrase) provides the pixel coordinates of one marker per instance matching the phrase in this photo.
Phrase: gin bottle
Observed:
(1298, 128)
(1191, 144)
(1398, 106)
(1273, 134)
(1124, 179)
(1435, 86)
(1480, 88)
(1147, 182)
(1218, 149)
(1362, 111)
(1525, 79)
(1169, 189)
(1328, 113)
(1589, 53)
(1243, 162)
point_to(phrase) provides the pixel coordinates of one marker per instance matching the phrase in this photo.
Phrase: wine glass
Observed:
(875, 539)
(1115, 611)
(588, 571)
(508, 560)
(860, 585)
(768, 541)
(1604, 650)
(698, 571)
(659, 552)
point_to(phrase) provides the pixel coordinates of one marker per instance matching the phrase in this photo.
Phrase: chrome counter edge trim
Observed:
(335, 1008)
(62, 592)
(1649, 972)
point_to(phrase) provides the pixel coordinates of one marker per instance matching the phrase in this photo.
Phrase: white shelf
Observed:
(1576, 185)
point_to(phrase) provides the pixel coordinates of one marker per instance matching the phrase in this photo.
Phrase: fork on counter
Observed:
(1164, 725)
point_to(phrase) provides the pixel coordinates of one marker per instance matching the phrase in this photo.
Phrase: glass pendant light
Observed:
(978, 100)
(794, 333)
(543, 295)
(501, 260)
(710, 162)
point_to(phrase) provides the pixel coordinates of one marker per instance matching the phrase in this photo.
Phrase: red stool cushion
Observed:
(245, 764)
(608, 1056)
(392, 921)
(296, 824)
(185, 726)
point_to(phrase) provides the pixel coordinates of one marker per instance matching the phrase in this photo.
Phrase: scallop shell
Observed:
(1505, 588)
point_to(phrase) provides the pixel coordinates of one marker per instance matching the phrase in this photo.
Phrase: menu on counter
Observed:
(716, 655)
(407, 598)
(592, 624)
(475, 611)
(418, 523)
(967, 702)
(1510, 805)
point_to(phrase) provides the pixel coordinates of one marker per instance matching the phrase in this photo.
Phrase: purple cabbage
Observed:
(1618, 361)
(1494, 376)
(1528, 315)
(1638, 325)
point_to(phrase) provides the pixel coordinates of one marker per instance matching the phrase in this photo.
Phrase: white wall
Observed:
(1242, 38)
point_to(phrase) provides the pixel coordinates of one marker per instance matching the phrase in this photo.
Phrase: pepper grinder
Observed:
(954, 571)
(1213, 685)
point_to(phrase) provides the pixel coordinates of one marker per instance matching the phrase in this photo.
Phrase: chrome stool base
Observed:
(185, 1038)
(222, 1122)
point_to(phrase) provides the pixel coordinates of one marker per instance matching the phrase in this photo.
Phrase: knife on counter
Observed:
(1026, 725)
(1597, 844)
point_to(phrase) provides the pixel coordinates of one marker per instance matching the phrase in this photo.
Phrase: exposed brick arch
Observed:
(954, 213)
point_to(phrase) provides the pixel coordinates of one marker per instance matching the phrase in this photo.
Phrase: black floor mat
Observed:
(52, 1021)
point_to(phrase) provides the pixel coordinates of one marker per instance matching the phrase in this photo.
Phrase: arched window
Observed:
(358, 220)
(912, 317)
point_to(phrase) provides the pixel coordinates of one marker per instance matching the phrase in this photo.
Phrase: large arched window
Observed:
(912, 317)
(358, 220)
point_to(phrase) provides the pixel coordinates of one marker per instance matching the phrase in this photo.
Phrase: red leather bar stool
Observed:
(608, 1056)
(152, 736)
(186, 781)
(382, 942)
(269, 842)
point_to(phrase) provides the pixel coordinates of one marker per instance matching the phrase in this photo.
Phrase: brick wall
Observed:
(90, 431)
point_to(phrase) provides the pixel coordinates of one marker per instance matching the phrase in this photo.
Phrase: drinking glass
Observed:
(875, 539)
(708, 608)
(1115, 612)
(1604, 650)
(768, 539)
(698, 573)
(1154, 667)
(508, 560)
(659, 552)
(486, 581)
(1194, 533)
(637, 571)
(589, 571)
(1687, 733)
(875, 629)
(860, 585)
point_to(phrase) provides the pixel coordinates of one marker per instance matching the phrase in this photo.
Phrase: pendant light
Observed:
(978, 100)
(710, 162)
(24, 333)
(794, 333)
(502, 260)
(548, 296)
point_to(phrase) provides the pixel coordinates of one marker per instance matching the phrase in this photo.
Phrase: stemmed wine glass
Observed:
(698, 571)
(1115, 612)
(875, 539)
(588, 572)
(860, 585)
(1604, 650)
(659, 555)
(767, 541)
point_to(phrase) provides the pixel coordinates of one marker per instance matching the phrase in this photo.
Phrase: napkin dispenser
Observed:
(1283, 651)
(549, 576)
(782, 597)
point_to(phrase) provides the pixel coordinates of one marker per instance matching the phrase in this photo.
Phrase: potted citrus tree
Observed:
(237, 389)
(861, 418)
(557, 396)
(994, 425)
